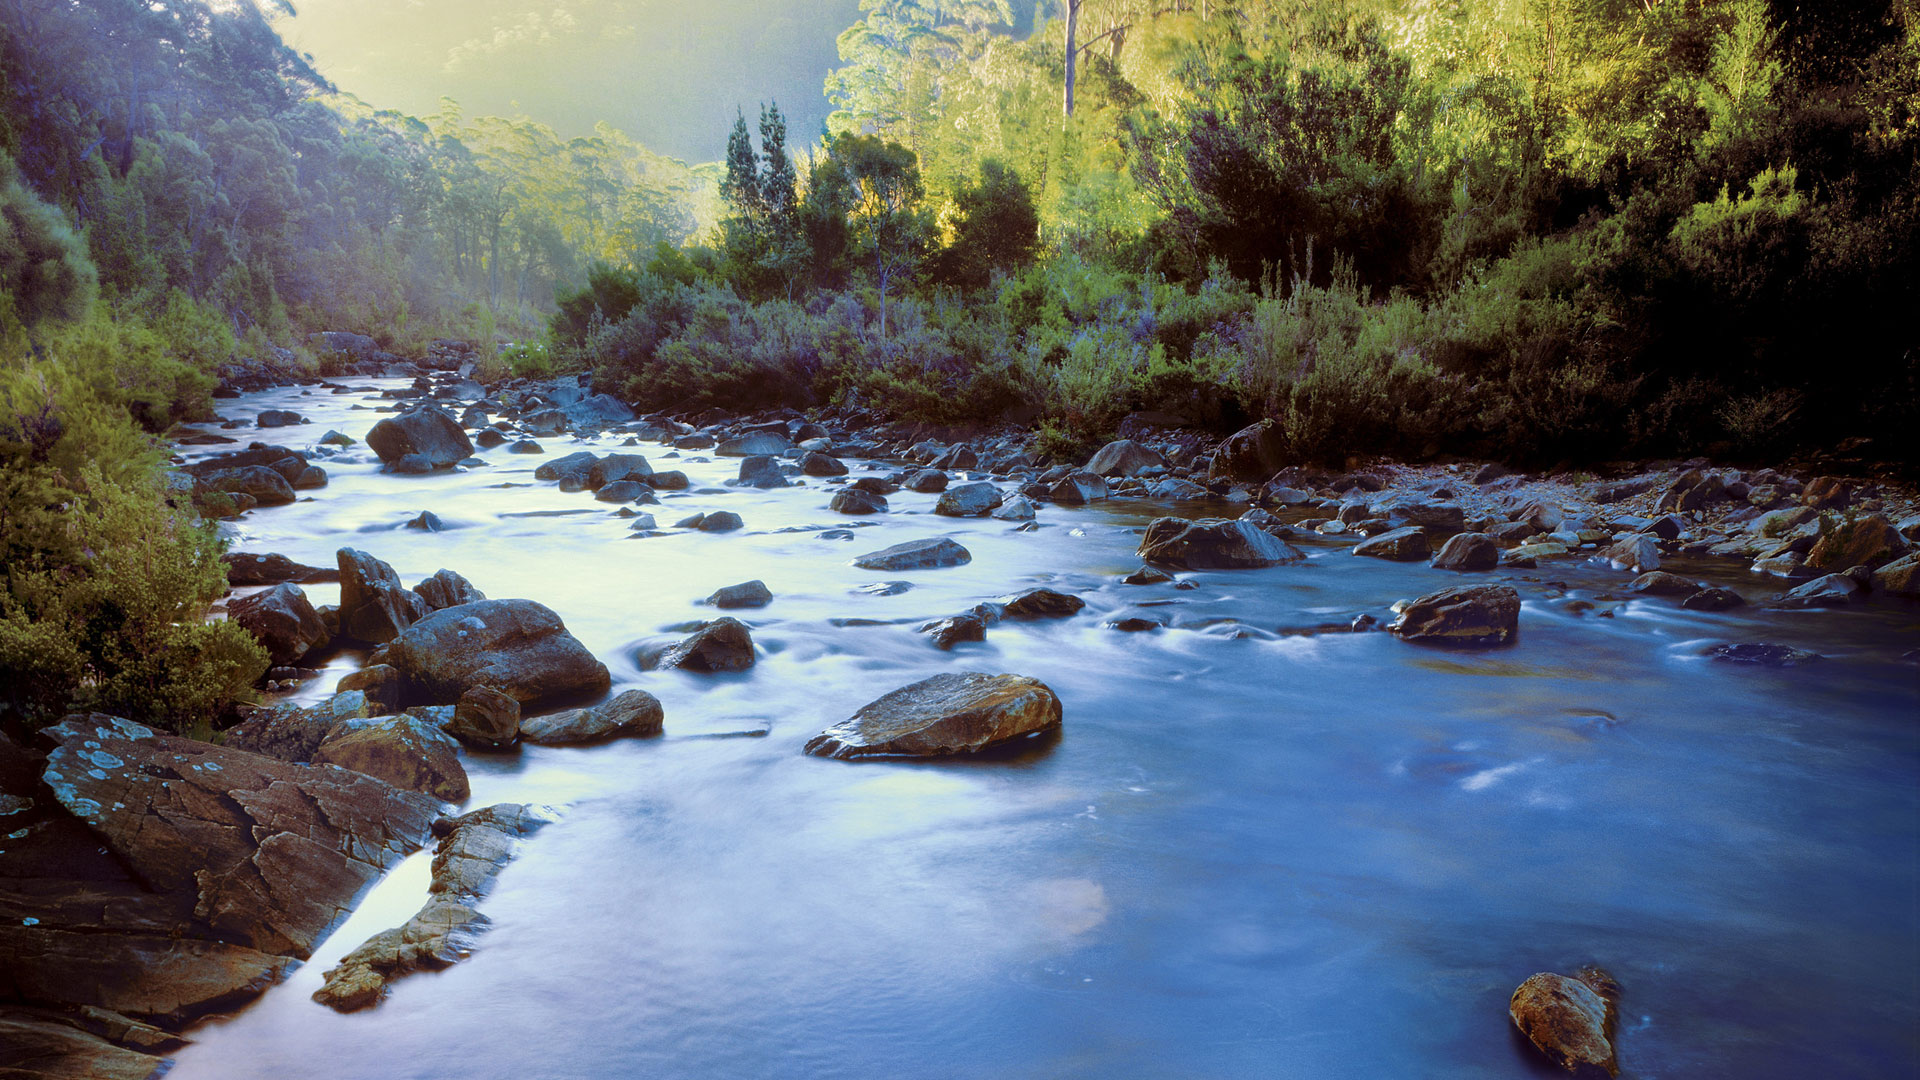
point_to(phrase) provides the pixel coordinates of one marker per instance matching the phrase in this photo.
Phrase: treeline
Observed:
(180, 191)
(1554, 229)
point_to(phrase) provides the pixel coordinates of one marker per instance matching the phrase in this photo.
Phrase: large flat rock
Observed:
(518, 647)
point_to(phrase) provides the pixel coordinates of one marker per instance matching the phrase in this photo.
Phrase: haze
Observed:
(667, 72)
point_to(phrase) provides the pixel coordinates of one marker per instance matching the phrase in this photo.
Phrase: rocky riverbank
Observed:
(251, 884)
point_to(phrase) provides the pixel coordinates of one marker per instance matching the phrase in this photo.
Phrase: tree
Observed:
(878, 182)
(996, 227)
(44, 269)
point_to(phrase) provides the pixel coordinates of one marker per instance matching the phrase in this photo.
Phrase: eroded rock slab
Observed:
(634, 713)
(1214, 544)
(274, 854)
(916, 555)
(472, 851)
(1570, 1020)
(1468, 615)
(946, 714)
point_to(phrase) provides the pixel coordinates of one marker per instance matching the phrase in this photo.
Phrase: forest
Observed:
(1539, 231)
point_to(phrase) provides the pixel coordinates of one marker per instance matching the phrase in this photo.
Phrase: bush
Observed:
(107, 578)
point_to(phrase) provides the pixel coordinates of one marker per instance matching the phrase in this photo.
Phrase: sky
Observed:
(669, 73)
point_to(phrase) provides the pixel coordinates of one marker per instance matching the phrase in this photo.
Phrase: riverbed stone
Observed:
(973, 499)
(916, 555)
(1467, 552)
(486, 717)
(571, 472)
(1401, 545)
(382, 685)
(615, 468)
(1870, 541)
(719, 646)
(1828, 590)
(1762, 654)
(262, 484)
(1124, 457)
(248, 568)
(1253, 453)
(720, 521)
(1015, 507)
(761, 471)
(427, 431)
(1899, 578)
(945, 714)
(1041, 603)
(519, 647)
(853, 500)
(374, 607)
(815, 463)
(295, 732)
(1713, 599)
(1214, 544)
(282, 620)
(1465, 615)
(634, 713)
(1639, 553)
(1077, 488)
(953, 630)
(747, 594)
(1661, 583)
(754, 444)
(445, 589)
(1568, 1021)
(401, 750)
(926, 481)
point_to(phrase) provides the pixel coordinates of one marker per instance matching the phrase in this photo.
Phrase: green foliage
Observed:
(996, 228)
(108, 576)
(44, 267)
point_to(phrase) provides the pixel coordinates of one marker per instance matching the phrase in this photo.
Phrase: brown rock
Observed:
(518, 647)
(1253, 453)
(1868, 541)
(486, 717)
(721, 645)
(1569, 1021)
(1468, 551)
(41, 1047)
(282, 620)
(1214, 544)
(1472, 615)
(373, 606)
(402, 751)
(1401, 545)
(946, 714)
(634, 713)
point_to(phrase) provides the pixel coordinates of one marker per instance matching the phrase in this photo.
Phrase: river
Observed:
(1245, 855)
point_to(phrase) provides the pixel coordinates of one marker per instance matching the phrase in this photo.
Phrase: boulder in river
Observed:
(755, 444)
(401, 750)
(926, 481)
(853, 500)
(1124, 457)
(615, 468)
(1639, 553)
(295, 732)
(761, 471)
(634, 713)
(1899, 578)
(486, 717)
(572, 472)
(1470, 615)
(1401, 545)
(282, 620)
(1077, 488)
(946, 714)
(819, 464)
(1661, 583)
(1713, 599)
(722, 645)
(428, 431)
(1214, 544)
(1253, 453)
(973, 499)
(1868, 541)
(518, 647)
(719, 521)
(382, 685)
(1015, 508)
(262, 484)
(1569, 1020)
(1040, 604)
(953, 630)
(747, 594)
(916, 555)
(373, 606)
(246, 568)
(446, 589)
(1829, 590)
(1468, 551)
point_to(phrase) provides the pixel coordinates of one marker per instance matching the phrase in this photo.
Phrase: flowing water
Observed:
(1328, 855)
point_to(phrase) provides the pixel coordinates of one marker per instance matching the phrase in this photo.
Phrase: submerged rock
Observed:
(1040, 604)
(951, 631)
(853, 500)
(946, 714)
(1470, 615)
(1569, 1020)
(747, 594)
(1762, 653)
(916, 555)
(634, 713)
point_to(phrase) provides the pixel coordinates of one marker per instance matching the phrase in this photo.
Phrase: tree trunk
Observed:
(1073, 43)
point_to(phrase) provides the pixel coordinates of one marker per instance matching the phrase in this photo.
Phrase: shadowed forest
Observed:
(1532, 230)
